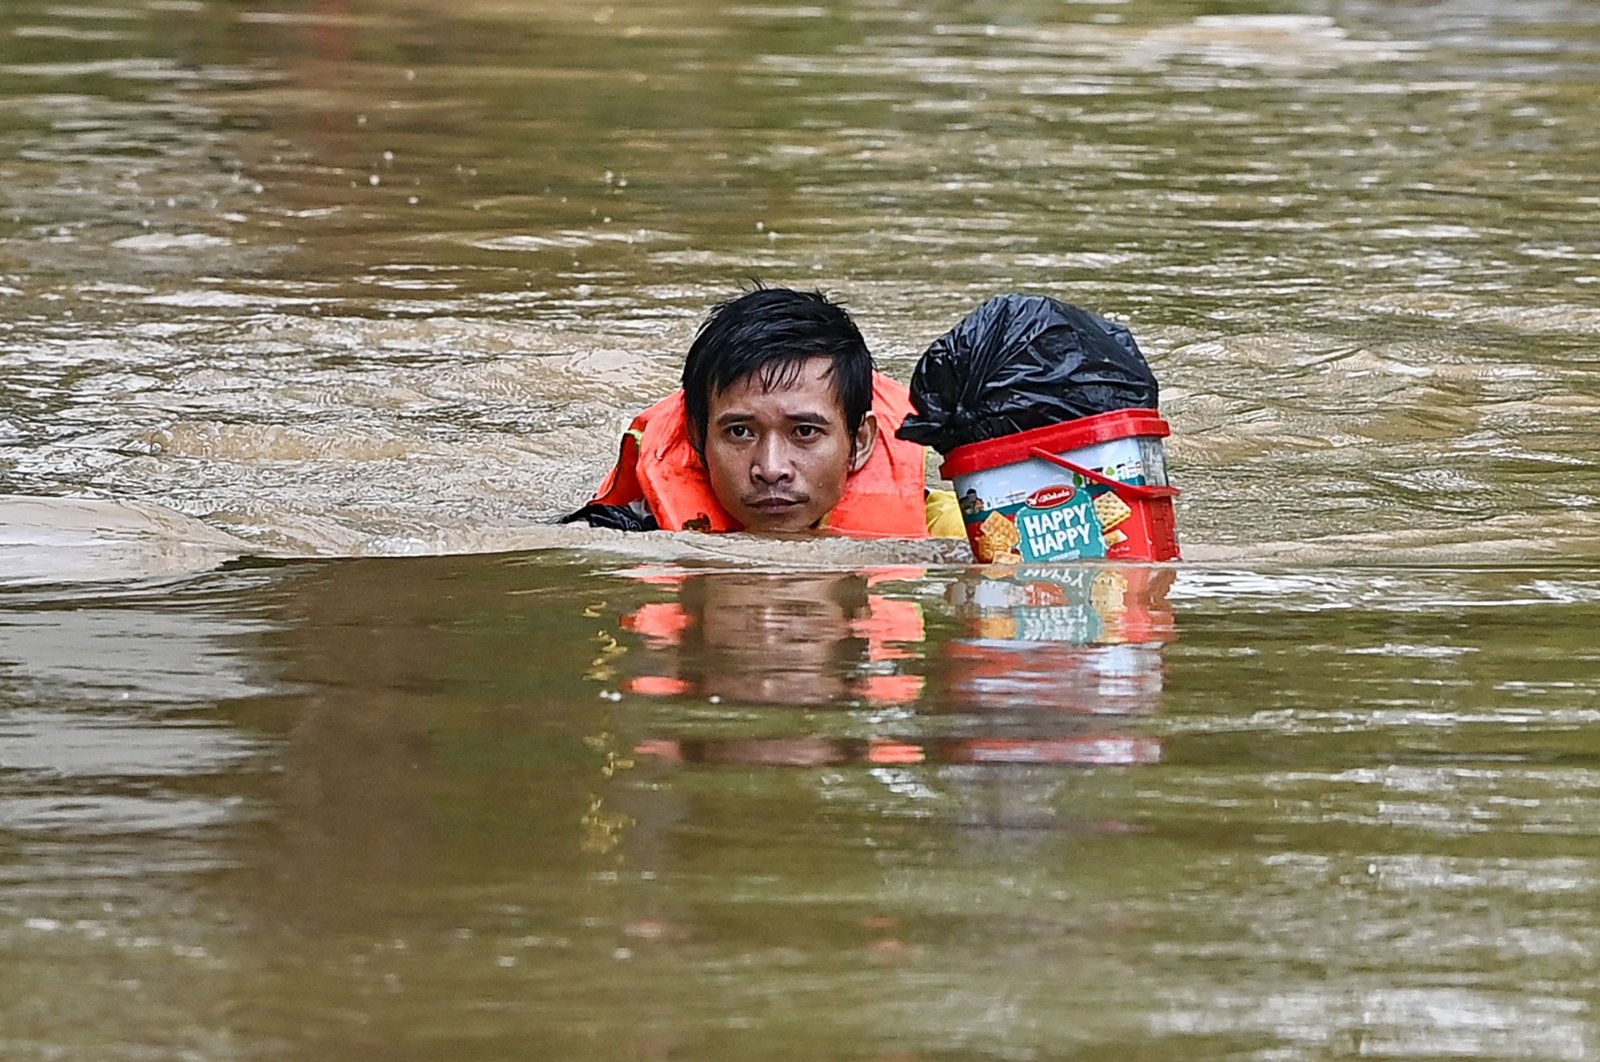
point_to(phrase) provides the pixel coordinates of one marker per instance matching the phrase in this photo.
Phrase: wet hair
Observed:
(769, 333)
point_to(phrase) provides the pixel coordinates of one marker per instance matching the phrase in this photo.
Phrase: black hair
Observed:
(769, 333)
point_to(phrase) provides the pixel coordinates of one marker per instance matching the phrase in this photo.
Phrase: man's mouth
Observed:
(773, 503)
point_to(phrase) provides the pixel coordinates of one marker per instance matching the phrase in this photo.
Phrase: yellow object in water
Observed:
(944, 515)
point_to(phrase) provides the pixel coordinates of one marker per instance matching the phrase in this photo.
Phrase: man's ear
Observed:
(866, 438)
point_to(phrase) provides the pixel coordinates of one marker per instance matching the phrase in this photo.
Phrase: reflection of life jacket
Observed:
(659, 464)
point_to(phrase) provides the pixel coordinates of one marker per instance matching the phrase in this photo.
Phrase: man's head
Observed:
(778, 392)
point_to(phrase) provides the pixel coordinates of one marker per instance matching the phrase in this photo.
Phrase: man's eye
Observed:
(807, 431)
(740, 431)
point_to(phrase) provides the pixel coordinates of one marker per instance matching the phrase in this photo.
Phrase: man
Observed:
(782, 425)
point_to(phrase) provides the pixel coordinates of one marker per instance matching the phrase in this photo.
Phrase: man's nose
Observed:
(771, 463)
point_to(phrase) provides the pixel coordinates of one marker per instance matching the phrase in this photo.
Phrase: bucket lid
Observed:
(1057, 438)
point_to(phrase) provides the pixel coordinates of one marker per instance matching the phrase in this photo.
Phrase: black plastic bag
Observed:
(614, 517)
(1019, 362)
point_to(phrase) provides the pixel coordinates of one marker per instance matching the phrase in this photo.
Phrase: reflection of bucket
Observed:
(1083, 638)
(1090, 488)
(1099, 605)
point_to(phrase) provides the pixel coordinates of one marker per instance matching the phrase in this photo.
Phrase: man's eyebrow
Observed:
(738, 416)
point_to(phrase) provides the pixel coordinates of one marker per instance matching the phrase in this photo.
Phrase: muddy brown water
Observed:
(317, 741)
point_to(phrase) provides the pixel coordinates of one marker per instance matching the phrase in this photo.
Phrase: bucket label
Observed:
(1059, 522)
(1067, 529)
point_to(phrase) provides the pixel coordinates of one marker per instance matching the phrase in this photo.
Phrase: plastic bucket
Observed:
(1084, 490)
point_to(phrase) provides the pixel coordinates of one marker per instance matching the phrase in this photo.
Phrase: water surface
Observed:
(318, 741)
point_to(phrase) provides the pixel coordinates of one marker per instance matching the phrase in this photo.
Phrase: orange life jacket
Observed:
(884, 498)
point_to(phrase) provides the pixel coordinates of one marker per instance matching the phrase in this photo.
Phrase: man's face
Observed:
(779, 459)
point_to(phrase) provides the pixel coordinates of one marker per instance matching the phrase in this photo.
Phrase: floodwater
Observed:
(317, 741)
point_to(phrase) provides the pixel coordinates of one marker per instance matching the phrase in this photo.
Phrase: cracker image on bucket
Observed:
(996, 540)
(1111, 510)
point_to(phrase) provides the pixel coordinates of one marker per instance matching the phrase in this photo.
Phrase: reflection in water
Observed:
(1077, 639)
(1080, 641)
(440, 825)
(798, 639)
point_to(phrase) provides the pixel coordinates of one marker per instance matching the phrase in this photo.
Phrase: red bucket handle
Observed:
(1135, 491)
